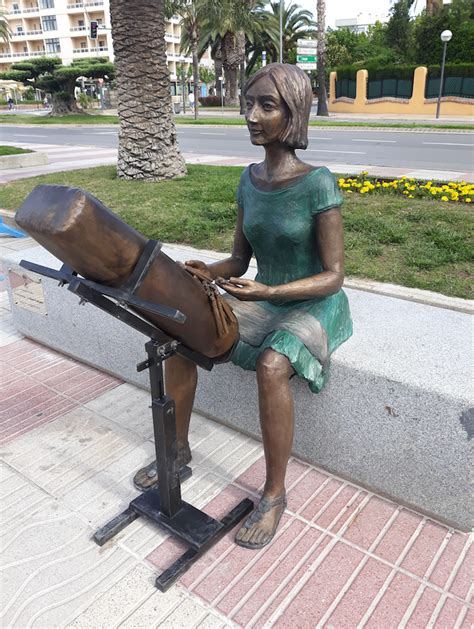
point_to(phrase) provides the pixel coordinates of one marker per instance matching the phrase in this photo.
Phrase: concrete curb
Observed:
(23, 160)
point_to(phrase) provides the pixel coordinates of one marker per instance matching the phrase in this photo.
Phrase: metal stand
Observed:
(163, 504)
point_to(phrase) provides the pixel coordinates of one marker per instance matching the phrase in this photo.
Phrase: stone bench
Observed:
(395, 416)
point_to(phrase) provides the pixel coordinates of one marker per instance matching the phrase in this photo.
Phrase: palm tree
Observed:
(148, 145)
(4, 27)
(192, 16)
(322, 93)
(297, 23)
(233, 21)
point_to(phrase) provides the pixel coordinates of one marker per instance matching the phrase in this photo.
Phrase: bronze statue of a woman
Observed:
(294, 314)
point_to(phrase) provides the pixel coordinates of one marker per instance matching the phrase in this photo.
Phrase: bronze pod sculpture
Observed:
(84, 234)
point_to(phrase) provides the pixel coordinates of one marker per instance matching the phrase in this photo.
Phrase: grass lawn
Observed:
(207, 119)
(12, 150)
(420, 243)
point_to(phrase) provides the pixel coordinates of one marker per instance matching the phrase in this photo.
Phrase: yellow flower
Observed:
(444, 198)
(467, 199)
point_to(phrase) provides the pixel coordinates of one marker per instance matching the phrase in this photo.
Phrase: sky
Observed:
(340, 9)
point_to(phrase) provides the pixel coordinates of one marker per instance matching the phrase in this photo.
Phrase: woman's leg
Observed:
(277, 422)
(180, 384)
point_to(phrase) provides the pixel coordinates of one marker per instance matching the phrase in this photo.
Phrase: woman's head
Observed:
(294, 87)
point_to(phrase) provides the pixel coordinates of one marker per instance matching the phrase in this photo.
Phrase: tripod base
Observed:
(189, 524)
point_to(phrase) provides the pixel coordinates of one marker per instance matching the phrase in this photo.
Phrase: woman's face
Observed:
(266, 112)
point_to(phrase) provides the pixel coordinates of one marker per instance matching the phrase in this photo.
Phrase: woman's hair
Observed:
(294, 87)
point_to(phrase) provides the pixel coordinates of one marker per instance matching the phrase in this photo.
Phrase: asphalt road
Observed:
(441, 151)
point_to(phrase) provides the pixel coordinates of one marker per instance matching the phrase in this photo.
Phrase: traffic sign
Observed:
(307, 43)
(305, 51)
(306, 58)
(307, 66)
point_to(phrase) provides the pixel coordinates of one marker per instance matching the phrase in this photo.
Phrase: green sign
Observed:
(307, 58)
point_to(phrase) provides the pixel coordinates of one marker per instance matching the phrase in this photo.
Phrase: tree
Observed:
(322, 92)
(234, 21)
(4, 27)
(296, 23)
(148, 144)
(399, 32)
(191, 13)
(49, 75)
(457, 18)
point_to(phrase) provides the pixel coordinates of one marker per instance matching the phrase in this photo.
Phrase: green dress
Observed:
(279, 226)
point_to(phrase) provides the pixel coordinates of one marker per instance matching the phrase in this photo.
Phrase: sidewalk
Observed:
(65, 157)
(72, 437)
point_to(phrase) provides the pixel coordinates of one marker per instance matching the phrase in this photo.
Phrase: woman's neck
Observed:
(280, 163)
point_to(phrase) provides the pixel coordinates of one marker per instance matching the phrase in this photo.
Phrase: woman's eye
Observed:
(268, 106)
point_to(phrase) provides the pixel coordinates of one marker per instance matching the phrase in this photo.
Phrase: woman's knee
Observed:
(273, 365)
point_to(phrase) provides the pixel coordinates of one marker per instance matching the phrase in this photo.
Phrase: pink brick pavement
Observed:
(342, 557)
(41, 385)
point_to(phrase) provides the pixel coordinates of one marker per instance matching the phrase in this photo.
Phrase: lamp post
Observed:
(182, 78)
(445, 37)
(282, 4)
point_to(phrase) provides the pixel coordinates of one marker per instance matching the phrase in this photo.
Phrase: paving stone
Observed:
(398, 535)
(51, 568)
(369, 522)
(393, 603)
(424, 609)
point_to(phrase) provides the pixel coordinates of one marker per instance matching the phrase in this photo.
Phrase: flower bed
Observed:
(458, 192)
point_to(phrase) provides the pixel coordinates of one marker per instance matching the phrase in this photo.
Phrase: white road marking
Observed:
(209, 133)
(450, 144)
(28, 135)
(384, 141)
(312, 137)
(328, 151)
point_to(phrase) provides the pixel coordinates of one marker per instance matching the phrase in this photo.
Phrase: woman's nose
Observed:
(251, 114)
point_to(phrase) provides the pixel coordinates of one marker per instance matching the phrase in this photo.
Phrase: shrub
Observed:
(210, 101)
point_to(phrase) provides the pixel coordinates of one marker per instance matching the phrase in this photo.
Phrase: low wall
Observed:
(417, 104)
(395, 416)
(23, 160)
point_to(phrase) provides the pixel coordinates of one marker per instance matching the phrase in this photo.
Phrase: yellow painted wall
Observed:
(450, 106)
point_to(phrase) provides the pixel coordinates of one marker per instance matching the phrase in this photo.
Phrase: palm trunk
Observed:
(231, 64)
(219, 70)
(196, 78)
(241, 42)
(322, 94)
(148, 146)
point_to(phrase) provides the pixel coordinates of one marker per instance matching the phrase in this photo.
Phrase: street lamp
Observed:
(182, 77)
(445, 37)
(282, 4)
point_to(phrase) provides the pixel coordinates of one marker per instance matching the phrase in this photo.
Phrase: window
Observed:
(46, 4)
(16, 8)
(80, 23)
(52, 45)
(101, 43)
(25, 48)
(19, 30)
(83, 44)
(49, 23)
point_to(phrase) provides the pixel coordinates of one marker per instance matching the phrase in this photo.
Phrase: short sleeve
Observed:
(326, 193)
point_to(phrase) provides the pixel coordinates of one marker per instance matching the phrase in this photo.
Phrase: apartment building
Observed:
(61, 28)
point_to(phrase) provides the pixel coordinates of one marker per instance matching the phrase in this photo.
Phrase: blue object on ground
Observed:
(6, 230)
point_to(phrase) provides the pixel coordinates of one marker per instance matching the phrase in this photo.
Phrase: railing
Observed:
(98, 3)
(36, 53)
(75, 5)
(31, 10)
(24, 33)
(80, 50)
(78, 28)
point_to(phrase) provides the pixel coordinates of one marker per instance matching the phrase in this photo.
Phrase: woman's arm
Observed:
(329, 239)
(238, 262)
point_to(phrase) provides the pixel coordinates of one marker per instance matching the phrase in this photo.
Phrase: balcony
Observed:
(25, 55)
(75, 29)
(95, 3)
(79, 51)
(20, 10)
(26, 33)
(75, 5)
(82, 51)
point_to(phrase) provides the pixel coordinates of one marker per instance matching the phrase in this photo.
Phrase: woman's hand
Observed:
(245, 290)
(200, 266)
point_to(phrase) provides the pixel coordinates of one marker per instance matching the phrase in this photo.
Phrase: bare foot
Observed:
(147, 476)
(260, 527)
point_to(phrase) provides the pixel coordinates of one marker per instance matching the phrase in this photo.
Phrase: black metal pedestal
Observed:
(162, 504)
